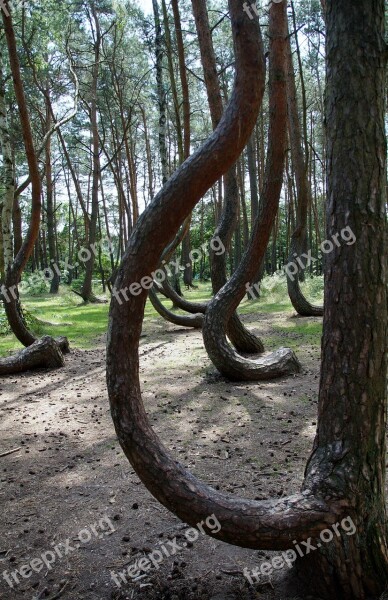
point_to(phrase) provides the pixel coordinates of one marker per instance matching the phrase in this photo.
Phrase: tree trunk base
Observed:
(92, 299)
(44, 354)
(271, 365)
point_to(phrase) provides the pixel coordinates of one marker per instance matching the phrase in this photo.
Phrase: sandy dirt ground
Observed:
(69, 493)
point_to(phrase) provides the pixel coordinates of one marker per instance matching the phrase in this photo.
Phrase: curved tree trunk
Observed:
(15, 316)
(195, 321)
(298, 300)
(346, 473)
(304, 198)
(241, 338)
(181, 302)
(284, 361)
(264, 524)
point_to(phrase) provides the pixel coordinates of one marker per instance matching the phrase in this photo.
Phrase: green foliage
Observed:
(35, 284)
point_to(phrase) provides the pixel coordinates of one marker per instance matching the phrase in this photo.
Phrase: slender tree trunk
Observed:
(86, 290)
(15, 269)
(8, 180)
(50, 204)
(304, 198)
(183, 135)
(192, 320)
(161, 93)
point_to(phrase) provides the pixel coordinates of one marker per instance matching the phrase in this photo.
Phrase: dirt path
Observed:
(69, 484)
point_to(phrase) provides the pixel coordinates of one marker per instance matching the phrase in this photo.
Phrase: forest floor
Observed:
(69, 483)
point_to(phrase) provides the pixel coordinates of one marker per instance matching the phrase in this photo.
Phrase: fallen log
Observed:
(44, 353)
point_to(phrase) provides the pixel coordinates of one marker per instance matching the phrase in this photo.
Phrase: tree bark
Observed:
(50, 204)
(346, 473)
(265, 524)
(14, 270)
(8, 180)
(241, 338)
(86, 291)
(284, 361)
(194, 320)
(348, 460)
(304, 198)
(44, 353)
(161, 92)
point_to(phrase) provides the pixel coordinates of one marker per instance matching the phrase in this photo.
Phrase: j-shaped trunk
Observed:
(345, 474)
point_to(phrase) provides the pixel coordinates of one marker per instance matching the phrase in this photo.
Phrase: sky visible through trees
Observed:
(193, 299)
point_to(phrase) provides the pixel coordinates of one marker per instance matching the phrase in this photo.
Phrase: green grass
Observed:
(274, 296)
(85, 324)
(82, 324)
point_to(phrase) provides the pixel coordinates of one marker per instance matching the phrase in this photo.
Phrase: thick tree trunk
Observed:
(42, 354)
(348, 460)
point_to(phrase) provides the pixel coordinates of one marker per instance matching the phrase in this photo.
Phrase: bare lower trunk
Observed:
(349, 456)
(50, 204)
(87, 291)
